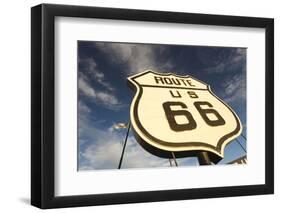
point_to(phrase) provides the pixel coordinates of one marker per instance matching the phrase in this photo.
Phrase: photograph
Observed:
(144, 106)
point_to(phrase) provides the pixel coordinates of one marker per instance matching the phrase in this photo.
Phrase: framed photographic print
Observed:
(141, 106)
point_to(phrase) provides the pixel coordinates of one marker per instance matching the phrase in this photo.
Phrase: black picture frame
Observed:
(43, 102)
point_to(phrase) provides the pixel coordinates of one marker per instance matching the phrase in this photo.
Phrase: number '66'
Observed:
(171, 115)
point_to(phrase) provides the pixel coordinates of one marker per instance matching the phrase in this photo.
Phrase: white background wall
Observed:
(15, 105)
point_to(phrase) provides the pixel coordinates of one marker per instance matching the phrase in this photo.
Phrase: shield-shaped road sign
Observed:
(180, 114)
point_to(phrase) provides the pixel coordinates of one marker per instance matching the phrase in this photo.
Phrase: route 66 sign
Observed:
(180, 115)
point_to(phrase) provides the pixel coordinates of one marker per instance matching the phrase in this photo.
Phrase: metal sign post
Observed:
(176, 163)
(203, 158)
(124, 146)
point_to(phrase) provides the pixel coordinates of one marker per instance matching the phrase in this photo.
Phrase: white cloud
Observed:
(224, 61)
(105, 98)
(118, 52)
(106, 155)
(86, 88)
(103, 156)
(90, 67)
(235, 88)
(138, 57)
(83, 108)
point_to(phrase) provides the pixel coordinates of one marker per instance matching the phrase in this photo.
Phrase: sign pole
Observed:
(124, 146)
(174, 158)
(170, 162)
(204, 159)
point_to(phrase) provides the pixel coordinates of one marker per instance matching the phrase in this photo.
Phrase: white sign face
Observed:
(180, 114)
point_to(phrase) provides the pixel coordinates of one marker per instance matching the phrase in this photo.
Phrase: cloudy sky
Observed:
(104, 97)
